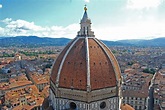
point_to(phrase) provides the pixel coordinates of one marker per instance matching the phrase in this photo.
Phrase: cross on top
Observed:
(85, 8)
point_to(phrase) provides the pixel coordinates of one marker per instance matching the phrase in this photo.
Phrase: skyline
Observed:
(111, 19)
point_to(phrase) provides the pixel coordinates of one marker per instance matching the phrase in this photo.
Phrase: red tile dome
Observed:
(85, 63)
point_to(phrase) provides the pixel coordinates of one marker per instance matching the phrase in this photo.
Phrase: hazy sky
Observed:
(111, 19)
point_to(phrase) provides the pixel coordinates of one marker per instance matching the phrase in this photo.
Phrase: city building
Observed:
(135, 88)
(158, 85)
(26, 97)
(40, 80)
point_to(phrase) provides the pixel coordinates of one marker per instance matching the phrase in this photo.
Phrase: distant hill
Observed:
(31, 41)
(158, 42)
(116, 43)
(34, 41)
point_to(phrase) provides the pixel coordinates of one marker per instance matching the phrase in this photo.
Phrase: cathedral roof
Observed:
(85, 63)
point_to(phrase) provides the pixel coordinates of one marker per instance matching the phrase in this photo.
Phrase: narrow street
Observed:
(151, 99)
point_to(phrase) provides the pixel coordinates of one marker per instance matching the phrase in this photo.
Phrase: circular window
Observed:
(73, 105)
(102, 105)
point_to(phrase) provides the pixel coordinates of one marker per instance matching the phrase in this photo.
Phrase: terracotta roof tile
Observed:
(126, 107)
(135, 93)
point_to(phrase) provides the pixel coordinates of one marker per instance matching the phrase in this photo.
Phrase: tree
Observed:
(148, 70)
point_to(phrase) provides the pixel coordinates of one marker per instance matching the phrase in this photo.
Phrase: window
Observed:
(84, 30)
(102, 105)
(73, 105)
(140, 107)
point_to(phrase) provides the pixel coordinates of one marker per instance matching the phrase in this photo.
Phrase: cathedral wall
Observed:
(105, 104)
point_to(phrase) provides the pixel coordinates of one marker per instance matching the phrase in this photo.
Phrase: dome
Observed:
(85, 63)
(86, 74)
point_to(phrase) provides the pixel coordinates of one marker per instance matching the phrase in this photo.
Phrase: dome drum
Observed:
(104, 104)
(85, 96)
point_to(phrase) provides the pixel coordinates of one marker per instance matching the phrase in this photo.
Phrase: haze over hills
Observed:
(140, 42)
(31, 41)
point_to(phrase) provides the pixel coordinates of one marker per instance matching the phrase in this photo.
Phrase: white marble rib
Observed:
(61, 65)
(88, 65)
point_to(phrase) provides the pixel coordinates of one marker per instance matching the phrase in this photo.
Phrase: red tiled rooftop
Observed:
(135, 93)
(40, 78)
(126, 107)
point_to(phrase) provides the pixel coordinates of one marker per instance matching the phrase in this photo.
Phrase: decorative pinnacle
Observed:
(85, 8)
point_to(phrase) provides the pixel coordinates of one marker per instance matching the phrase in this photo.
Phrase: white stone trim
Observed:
(62, 62)
(88, 65)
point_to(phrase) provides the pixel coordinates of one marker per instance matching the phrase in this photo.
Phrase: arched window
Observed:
(73, 105)
(84, 30)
